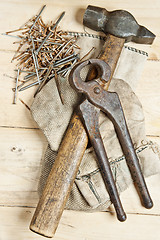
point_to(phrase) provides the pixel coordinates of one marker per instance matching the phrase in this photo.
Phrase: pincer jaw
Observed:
(76, 81)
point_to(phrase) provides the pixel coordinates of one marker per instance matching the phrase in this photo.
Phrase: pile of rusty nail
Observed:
(44, 51)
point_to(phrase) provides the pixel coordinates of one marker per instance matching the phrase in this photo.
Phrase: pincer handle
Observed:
(116, 115)
(133, 163)
(109, 103)
(90, 117)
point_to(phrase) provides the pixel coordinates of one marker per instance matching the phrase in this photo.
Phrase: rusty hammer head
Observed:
(119, 23)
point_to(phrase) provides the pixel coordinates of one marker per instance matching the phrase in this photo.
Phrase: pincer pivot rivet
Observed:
(97, 90)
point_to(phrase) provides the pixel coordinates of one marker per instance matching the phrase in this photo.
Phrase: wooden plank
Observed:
(147, 14)
(21, 151)
(20, 167)
(16, 115)
(14, 224)
(148, 92)
(19, 116)
(131, 201)
(22, 146)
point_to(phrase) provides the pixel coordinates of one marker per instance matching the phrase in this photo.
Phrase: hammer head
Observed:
(119, 23)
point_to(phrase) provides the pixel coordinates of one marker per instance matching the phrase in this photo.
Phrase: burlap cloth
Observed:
(89, 192)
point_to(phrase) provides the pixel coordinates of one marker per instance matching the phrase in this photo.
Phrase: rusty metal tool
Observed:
(119, 23)
(98, 99)
(74, 143)
(119, 26)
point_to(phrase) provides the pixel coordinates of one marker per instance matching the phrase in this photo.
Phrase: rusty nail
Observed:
(37, 18)
(49, 34)
(15, 93)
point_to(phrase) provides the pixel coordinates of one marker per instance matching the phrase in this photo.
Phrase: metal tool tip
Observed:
(63, 13)
(144, 36)
(122, 218)
(149, 204)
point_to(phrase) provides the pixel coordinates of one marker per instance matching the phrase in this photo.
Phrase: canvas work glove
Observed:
(89, 192)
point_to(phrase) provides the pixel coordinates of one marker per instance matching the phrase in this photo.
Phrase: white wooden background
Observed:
(22, 144)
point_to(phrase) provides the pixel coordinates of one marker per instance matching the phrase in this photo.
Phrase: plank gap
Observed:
(18, 127)
(16, 206)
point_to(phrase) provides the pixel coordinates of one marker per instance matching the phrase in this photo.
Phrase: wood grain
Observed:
(80, 226)
(60, 180)
(22, 150)
(20, 169)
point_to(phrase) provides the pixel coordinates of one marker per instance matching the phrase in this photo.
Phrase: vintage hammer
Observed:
(120, 26)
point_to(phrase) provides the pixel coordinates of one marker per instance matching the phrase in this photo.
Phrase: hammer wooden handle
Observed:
(110, 53)
(63, 173)
(60, 180)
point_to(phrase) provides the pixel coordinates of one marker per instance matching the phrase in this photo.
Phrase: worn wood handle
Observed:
(60, 180)
(63, 173)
